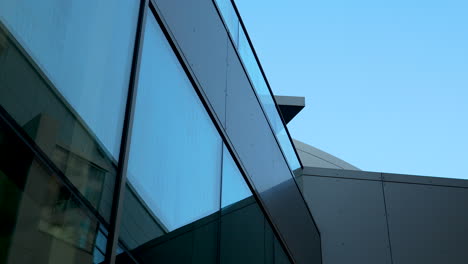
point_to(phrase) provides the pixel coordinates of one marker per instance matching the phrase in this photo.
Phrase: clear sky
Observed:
(386, 82)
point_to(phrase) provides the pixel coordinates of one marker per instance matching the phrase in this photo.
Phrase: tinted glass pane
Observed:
(42, 114)
(266, 100)
(85, 48)
(234, 187)
(256, 77)
(288, 149)
(230, 18)
(42, 222)
(174, 169)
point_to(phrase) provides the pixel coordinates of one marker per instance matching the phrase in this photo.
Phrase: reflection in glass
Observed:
(85, 48)
(253, 70)
(42, 114)
(174, 166)
(230, 18)
(100, 246)
(266, 100)
(234, 188)
(42, 222)
(288, 149)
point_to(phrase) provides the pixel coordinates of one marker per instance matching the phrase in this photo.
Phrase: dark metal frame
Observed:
(121, 179)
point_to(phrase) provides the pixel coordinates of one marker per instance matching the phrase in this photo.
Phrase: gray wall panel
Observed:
(203, 40)
(391, 177)
(340, 173)
(237, 226)
(428, 224)
(314, 161)
(351, 217)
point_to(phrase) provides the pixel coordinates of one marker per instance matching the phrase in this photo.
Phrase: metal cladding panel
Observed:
(246, 225)
(427, 224)
(339, 173)
(260, 155)
(201, 36)
(351, 216)
(402, 178)
(312, 160)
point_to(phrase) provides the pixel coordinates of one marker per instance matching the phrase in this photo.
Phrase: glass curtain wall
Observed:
(175, 153)
(64, 76)
(253, 69)
(71, 99)
(43, 219)
(185, 201)
(85, 49)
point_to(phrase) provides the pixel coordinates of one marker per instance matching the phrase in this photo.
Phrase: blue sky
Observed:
(386, 82)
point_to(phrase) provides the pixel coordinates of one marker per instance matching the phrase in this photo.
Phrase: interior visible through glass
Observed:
(41, 113)
(85, 49)
(42, 221)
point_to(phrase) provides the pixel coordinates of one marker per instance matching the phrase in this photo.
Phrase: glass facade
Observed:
(253, 70)
(234, 188)
(43, 221)
(176, 186)
(85, 48)
(65, 73)
(182, 195)
(56, 130)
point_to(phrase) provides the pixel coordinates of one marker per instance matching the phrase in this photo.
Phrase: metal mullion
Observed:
(121, 178)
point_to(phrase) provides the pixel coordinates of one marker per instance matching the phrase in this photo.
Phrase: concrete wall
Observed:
(369, 217)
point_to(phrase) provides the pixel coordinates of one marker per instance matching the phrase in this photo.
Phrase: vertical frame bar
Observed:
(119, 188)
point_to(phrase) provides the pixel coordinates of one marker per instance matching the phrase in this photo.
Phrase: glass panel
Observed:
(174, 165)
(85, 48)
(253, 70)
(100, 246)
(42, 222)
(246, 235)
(43, 115)
(234, 187)
(230, 18)
(256, 77)
(267, 102)
(288, 149)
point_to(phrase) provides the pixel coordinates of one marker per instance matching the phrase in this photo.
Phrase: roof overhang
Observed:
(290, 106)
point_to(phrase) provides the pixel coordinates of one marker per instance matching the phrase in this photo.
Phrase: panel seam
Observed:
(386, 219)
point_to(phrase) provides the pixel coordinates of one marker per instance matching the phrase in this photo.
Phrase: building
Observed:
(146, 132)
